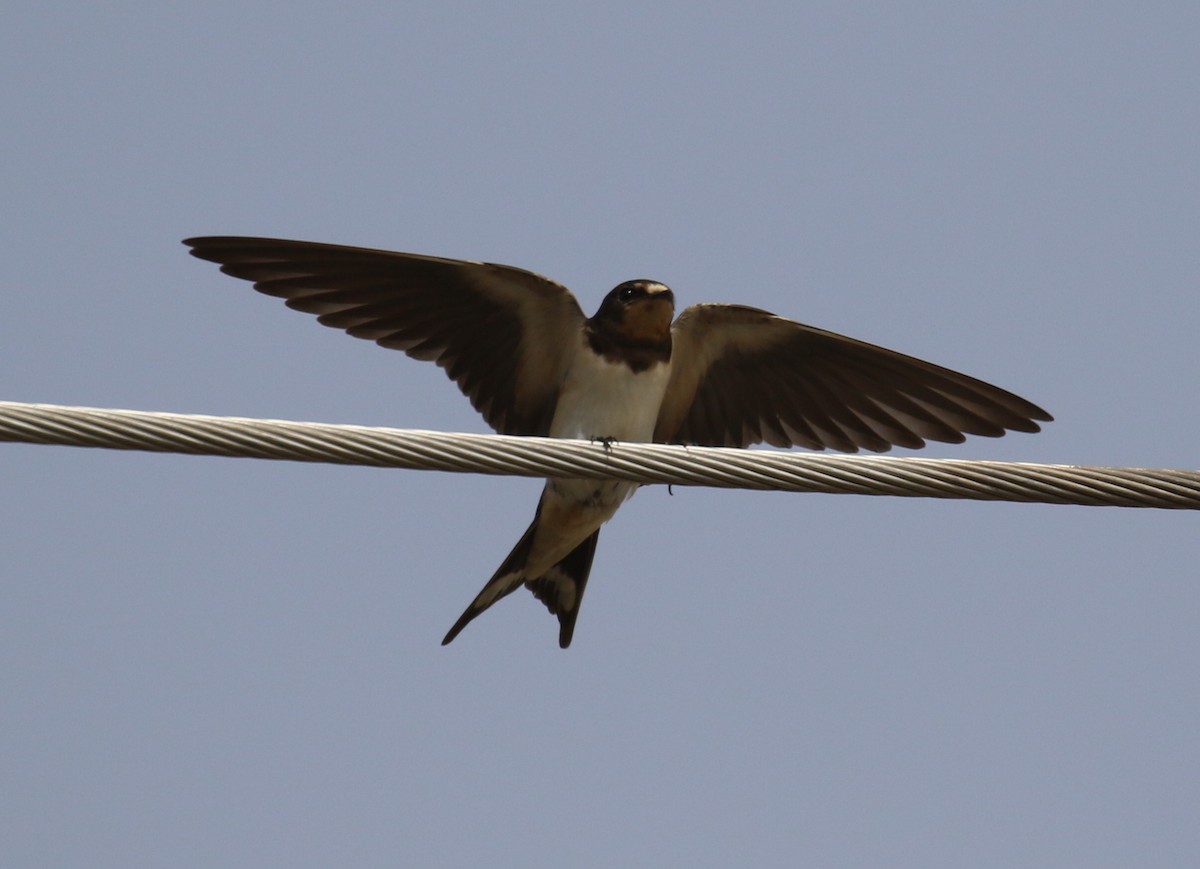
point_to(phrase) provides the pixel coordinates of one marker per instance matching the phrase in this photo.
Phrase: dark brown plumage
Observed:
(739, 375)
(519, 346)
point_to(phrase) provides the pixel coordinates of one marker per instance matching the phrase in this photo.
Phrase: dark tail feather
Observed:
(504, 581)
(561, 588)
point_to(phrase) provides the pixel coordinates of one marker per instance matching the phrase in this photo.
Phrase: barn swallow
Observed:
(522, 350)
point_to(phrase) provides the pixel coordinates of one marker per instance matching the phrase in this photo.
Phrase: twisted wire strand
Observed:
(643, 463)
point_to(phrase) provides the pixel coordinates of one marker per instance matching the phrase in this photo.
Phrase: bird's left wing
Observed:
(501, 333)
(740, 376)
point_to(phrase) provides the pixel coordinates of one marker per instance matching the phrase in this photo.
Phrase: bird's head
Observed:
(639, 311)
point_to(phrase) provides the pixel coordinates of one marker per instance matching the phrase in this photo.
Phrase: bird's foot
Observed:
(607, 443)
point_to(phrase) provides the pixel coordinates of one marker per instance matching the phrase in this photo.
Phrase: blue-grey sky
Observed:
(229, 662)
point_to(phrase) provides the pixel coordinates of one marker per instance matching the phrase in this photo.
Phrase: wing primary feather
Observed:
(501, 333)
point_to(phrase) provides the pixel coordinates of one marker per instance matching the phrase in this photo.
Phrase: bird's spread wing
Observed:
(741, 376)
(501, 333)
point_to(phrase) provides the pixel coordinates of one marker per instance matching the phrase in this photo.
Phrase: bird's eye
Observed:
(626, 294)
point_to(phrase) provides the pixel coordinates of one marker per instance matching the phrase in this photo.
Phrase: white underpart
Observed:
(603, 399)
(600, 399)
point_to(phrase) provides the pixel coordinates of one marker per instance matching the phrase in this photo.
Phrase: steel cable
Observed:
(643, 463)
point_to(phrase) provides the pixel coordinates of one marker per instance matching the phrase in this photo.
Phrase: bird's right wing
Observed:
(502, 334)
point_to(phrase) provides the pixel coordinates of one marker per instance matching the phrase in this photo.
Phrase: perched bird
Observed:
(521, 349)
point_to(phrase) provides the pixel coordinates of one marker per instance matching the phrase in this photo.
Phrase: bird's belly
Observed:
(602, 399)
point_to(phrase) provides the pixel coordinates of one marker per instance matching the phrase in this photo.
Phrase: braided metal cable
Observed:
(643, 463)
